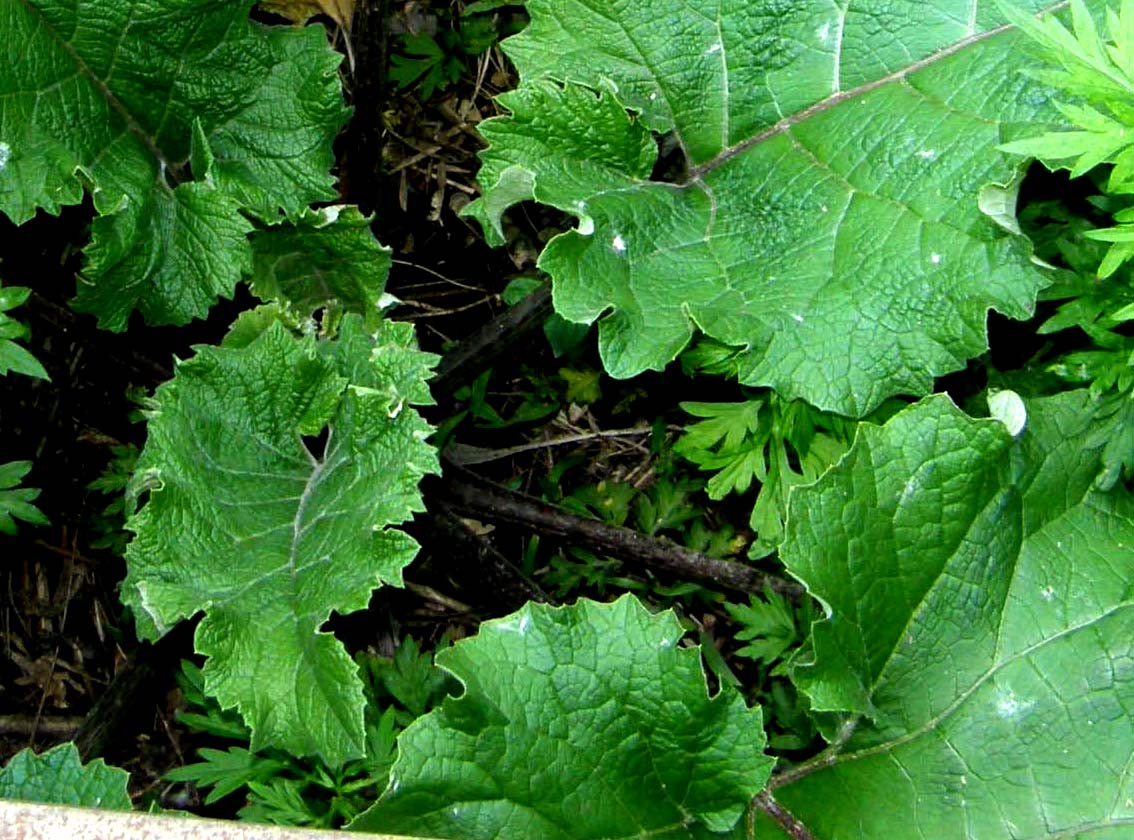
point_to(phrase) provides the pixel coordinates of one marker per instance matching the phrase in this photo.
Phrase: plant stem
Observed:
(467, 492)
(783, 817)
(825, 759)
(464, 455)
(32, 725)
(128, 702)
(477, 352)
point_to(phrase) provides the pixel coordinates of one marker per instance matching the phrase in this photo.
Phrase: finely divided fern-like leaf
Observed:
(16, 501)
(780, 444)
(1096, 71)
(13, 357)
(827, 223)
(726, 441)
(1101, 73)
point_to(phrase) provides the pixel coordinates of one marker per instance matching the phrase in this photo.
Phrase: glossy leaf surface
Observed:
(825, 162)
(981, 618)
(585, 721)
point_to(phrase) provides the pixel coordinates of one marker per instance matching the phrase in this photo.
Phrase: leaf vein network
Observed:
(122, 33)
(568, 26)
(39, 92)
(922, 606)
(932, 723)
(84, 70)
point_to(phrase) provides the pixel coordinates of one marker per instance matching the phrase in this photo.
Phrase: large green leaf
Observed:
(267, 528)
(585, 721)
(174, 115)
(325, 258)
(58, 777)
(980, 631)
(828, 221)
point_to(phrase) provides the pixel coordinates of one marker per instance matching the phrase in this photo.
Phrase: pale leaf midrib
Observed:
(787, 123)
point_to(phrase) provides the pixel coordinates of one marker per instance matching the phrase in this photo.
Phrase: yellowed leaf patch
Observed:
(299, 11)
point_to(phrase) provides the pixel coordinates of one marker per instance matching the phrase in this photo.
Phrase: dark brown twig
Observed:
(46, 725)
(477, 352)
(469, 493)
(362, 163)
